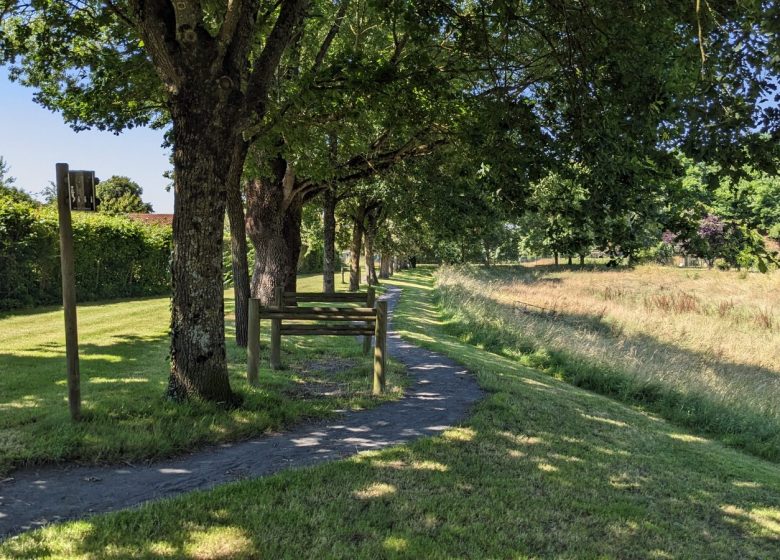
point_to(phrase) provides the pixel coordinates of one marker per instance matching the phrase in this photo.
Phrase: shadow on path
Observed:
(440, 395)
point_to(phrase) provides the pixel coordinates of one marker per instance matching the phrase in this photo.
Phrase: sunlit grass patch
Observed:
(124, 373)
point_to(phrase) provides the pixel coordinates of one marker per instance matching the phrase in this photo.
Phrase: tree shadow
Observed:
(541, 469)
(531, 474)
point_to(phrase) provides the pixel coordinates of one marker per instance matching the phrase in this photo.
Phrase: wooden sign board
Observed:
(83, 195)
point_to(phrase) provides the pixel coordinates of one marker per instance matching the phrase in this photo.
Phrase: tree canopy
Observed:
(454, 123)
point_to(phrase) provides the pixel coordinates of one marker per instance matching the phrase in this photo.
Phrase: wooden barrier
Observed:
(286, 316)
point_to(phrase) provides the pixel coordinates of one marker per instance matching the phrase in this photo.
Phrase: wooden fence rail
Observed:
(285, 314)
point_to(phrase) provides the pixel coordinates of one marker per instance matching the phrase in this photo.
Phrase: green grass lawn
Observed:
(124, 369)
(542, 469)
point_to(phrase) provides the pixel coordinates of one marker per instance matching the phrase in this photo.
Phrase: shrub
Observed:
(115, 257)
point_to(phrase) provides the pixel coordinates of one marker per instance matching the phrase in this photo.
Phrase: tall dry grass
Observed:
(708, 335)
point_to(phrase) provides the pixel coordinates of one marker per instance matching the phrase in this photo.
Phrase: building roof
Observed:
(158, 219)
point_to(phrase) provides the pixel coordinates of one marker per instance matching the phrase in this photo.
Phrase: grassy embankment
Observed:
(540, 470)
(699, 347)
(124, 368)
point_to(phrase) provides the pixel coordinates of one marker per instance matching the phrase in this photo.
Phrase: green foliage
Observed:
(115, 257)
(312, 249)
(5, 179)
(774, 232)
(120, 195)
(753, 200)
(557, 220)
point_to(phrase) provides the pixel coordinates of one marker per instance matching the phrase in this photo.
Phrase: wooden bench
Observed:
(288, 318)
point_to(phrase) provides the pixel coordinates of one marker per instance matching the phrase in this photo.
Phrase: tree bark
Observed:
(329, 239)
(293, 215)
(211, 93)
(238, 243)
(384, 266)
(198, 362)
(266, 230)
(486, 248)
(371, 278)
(274, 212)
(354, 258)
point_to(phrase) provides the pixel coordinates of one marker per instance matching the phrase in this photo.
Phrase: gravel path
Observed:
(440, 395)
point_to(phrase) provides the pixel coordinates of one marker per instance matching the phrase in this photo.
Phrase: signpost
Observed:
(75, 190)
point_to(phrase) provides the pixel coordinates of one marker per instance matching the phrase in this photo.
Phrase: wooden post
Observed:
(69, 291)
(276, 330)
(253, 342)
(380, 347)
(370, 299)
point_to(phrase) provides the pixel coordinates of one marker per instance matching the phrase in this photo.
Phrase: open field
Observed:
(124, 372)
(701, 347)
(541, 470)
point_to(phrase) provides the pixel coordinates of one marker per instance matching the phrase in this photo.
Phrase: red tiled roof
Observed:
(159, 219)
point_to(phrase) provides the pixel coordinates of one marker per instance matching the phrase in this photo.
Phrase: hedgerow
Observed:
(115, 257)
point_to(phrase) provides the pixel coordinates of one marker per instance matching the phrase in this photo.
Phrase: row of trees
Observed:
(429, 123)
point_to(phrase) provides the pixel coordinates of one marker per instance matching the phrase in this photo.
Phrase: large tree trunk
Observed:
(274, 226)
(266, 229)
(238, 243)
(371, 278)
(198, 362)
(211, 91)
(384, 266)
(329, 239)
(292, 234)
(354, 257)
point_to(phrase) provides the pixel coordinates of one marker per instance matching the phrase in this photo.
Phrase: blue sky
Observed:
(33, 139)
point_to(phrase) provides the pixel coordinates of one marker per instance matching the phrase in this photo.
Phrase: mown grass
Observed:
(540, 470)
(124, 369)
(698, 347)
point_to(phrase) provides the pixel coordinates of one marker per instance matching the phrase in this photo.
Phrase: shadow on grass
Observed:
(125, 413)
(542, 469)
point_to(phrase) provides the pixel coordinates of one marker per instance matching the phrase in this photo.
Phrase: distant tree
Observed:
(120, 195)
(753, 200)
(48, 194)
(557, 221)
(5, 179)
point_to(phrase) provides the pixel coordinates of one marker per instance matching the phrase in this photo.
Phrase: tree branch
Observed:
(157, 25)
(290, 15)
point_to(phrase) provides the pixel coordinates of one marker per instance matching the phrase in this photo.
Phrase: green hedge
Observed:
(115, 257)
